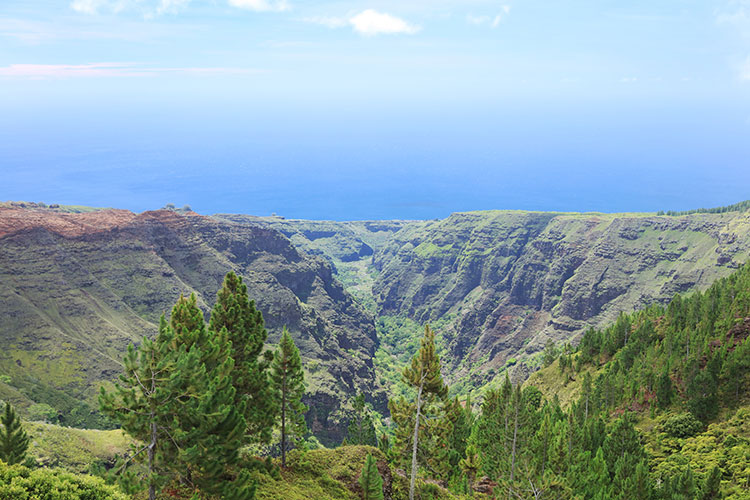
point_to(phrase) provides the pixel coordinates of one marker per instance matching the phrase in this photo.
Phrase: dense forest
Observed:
(656, 408)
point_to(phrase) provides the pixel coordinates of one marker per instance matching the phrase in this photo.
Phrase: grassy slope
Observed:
(330, 474)
(74, 449)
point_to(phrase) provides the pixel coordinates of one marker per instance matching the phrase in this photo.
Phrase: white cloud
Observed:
(87, 6)
(261, 5)
(368, 23)
(147, 8)
(491, 21)
(170, 5)
(371, 22)
(106, 69)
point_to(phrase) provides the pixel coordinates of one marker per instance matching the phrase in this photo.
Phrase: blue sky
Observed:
(375, 109)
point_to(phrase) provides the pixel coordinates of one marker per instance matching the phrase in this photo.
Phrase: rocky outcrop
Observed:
(77, 288)
(335, 240)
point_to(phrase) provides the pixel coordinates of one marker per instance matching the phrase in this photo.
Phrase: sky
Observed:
(375, 109)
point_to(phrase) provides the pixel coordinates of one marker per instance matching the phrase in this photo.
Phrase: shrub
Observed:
(20, 483)
(683, 425)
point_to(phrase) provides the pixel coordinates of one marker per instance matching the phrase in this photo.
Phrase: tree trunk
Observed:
(513, 449)
(151, 451)
(414, 444)
(283, 422)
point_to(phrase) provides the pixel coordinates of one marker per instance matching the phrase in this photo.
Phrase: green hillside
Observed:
(681, 372)
(76, 289)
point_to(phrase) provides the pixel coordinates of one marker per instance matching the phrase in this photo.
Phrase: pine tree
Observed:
(361, 429)
(245, 329)
(370, 481)
(424, 375)
(470, 465)
(208, 426)
(664, 389)
(288, 384)
(13, 438)
(176, 397)
(140, 401)
(712, 485)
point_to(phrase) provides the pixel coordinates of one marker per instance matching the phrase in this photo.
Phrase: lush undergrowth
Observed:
(21, 483)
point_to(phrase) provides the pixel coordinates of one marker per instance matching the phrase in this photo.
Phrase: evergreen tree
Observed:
(424, 375)
(140, 401)
(176, 397)
(13, 438)
(361, 429)
(209, 426)
(470, 465)
(712, 485)
(370, 480)
(288, 384)
(664, 389)
(702, 395)
(244, 326)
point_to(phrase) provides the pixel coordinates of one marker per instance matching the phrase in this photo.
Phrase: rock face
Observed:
(75, 289)
(339, 242)
(505, 282)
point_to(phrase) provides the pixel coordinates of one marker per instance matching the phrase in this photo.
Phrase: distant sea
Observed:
(388, 166)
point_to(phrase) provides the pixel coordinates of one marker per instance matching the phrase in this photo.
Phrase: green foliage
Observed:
(698, 345)
(370, 480)
(643, 372)
(664, 389)
(288, 385)
(235, 314)
(421, 420)
(13, 438)
(20, 483)
(550, 352)
(682, 426)
(40, 412)
(361, 429)
(176, 396)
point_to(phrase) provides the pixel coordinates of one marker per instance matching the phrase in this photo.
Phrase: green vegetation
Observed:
(75, 450)
(288, 385)
(370, 480)
(176, 398)
(679, 374)
(20, 483)
(13, 438)
(361, 429)
(742, 206)
(235, 316)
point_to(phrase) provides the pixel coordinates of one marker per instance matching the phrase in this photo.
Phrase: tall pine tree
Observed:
(236, 314)
(141, 400)
(288, 385)
(423, 374)
(13, 438)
